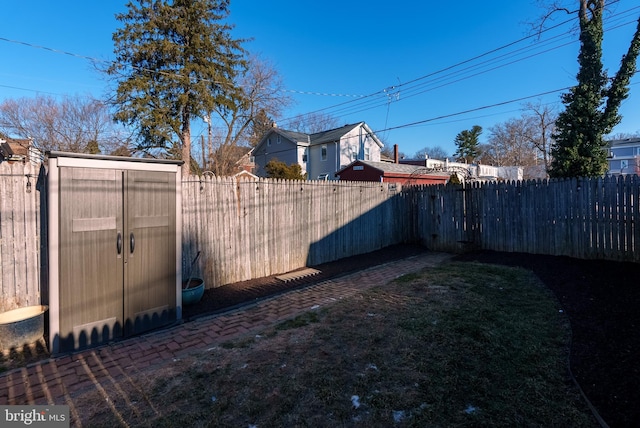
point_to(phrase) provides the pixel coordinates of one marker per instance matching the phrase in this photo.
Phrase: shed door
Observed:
(117, 254)
(150, 265)
(91, 268)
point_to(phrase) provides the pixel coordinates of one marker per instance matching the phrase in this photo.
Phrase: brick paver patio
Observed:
(58, 380)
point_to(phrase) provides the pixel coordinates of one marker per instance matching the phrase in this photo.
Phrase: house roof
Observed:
(335, 134)
(301, 139)
(627, 141)
(332, 134)
(246, 175)
(298, 137)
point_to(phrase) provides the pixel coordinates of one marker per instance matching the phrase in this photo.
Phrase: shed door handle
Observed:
(119, 243)
(132, 242)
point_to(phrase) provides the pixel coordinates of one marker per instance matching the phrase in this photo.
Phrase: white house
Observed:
(624, 156)
(320, 155)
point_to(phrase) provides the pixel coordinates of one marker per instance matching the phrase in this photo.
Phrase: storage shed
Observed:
(115, 247)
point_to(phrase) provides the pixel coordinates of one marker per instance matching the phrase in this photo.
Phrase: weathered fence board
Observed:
(19, 236)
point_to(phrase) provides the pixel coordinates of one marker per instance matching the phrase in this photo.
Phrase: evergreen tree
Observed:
(468, 144)
(592, 105)
(175, 61)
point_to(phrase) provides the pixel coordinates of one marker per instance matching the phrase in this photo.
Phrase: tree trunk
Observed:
(186, 144)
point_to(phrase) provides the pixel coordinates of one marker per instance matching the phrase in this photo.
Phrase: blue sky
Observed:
(403, 56)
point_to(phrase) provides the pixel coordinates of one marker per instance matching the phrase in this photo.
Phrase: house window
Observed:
(278, 140)
(367, 154)
(268, 142)
(324, 152)
(624, 164)
(304, 155)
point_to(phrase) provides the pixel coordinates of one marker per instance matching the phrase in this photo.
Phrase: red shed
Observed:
(387, 172)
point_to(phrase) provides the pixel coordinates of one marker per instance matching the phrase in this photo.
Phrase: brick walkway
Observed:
(59, 380)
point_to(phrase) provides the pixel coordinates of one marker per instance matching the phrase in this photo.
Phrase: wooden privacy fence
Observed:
(19, 236)
(251, 229)
(583, 218)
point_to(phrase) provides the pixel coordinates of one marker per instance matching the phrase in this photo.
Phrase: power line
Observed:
(359, 105)
(473, 110)
(30, 90)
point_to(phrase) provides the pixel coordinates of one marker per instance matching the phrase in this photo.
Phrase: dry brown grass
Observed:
(458, 345)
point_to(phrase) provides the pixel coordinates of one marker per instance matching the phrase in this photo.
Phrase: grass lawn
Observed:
(462, 344)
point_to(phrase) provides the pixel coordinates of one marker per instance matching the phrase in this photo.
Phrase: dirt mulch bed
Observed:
(602, 300)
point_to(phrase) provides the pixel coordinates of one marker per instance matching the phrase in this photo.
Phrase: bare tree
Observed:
(262, 90)
(73, 124)
(510, 144)
(311, 123)
(523, 141)
(388, 151)
(434, 152)
(623, 135)
(541, 129)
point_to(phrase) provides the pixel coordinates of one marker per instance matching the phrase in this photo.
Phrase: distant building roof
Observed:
(397, 168)
(14, 148)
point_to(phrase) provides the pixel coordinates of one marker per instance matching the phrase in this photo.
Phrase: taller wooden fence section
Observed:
(252, 229)
(247, 229)
(583, 218)
(19, 236)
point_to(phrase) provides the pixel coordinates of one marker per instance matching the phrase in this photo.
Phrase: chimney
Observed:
(395, 154)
